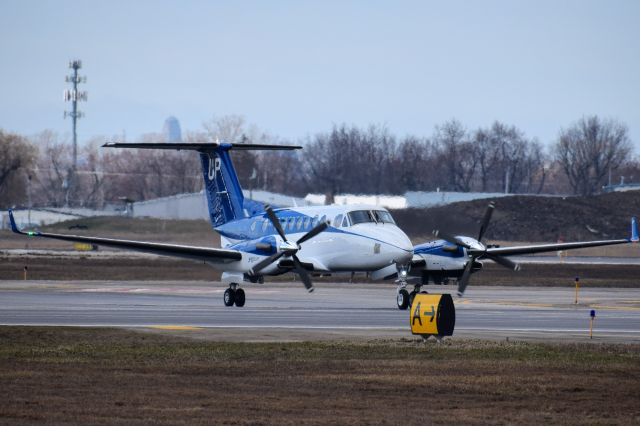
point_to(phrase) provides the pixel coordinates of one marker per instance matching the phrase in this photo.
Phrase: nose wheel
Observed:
(234, 295)
(402, 299)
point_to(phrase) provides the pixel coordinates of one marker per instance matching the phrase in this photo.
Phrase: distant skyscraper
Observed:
(171, 130)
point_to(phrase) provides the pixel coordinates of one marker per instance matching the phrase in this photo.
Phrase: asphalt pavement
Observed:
(285, 311)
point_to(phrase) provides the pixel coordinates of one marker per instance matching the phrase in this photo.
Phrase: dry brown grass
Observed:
(140, 268)
(100, 376)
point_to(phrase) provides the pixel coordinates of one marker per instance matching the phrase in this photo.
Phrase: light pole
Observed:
(74, 96)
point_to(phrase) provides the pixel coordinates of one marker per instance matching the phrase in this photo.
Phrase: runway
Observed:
(285, 311)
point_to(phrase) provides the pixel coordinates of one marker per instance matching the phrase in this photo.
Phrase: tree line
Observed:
(345, 159)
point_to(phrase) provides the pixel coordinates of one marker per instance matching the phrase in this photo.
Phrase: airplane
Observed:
(259, 240)
(457, 256)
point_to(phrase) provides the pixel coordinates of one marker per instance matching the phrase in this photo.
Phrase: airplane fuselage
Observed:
(358, 238)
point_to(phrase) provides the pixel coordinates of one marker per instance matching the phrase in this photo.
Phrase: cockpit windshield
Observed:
(361, 216)
(370, 216)
(383, 216)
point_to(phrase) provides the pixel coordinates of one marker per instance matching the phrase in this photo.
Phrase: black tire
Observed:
(402, 299)
(229, 297)
(240, 299)
(412, 296)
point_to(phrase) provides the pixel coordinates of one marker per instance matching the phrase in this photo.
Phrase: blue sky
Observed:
(294, 68)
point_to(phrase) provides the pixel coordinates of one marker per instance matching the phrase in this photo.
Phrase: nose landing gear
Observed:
(402, 298)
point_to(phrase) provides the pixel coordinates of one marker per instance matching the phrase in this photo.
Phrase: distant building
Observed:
(171, 130)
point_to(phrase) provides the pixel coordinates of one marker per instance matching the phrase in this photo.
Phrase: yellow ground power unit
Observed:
(432, 315)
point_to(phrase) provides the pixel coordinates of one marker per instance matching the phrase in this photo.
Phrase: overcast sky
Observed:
(294, 68)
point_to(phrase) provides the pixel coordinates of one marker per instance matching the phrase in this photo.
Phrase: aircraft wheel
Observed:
(239, 298)
(229, 297)
(402, 299)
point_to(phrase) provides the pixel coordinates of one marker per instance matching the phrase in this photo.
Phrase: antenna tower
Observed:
(74, 96)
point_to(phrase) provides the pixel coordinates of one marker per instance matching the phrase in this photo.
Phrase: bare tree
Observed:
(417, 166)
(507, 160)
(324, 161)
(16, 155)
(52, 169)
(533, 173)
(589, 150)
(458, 155)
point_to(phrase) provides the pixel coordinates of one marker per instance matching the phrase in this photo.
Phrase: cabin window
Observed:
(323, 219)
(307, 222)
(300, 220)
(292, 223)
(253, 225)
(314, 222)
(383, 216)
(345, 221)
(337, 221)
(265, 223)
(361, 216)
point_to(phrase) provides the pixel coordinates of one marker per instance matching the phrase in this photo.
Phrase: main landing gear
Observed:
(234, 295)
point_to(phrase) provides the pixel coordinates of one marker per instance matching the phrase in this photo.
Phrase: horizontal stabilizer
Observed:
(204, 147)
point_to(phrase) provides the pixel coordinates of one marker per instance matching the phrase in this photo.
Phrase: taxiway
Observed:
(286, 311)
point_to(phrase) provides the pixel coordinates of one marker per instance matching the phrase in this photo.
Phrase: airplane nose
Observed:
(404, 247)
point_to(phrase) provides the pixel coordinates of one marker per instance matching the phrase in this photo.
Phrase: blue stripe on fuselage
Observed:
(435, 248)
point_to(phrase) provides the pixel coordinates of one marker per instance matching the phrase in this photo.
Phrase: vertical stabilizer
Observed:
(224, 194)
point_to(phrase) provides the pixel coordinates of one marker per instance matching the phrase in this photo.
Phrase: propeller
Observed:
(288, 248)
(475, 249)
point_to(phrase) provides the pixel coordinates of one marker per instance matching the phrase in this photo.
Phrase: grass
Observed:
(117, 376)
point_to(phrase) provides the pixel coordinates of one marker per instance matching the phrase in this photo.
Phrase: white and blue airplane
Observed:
(458, 256)
(259, 241)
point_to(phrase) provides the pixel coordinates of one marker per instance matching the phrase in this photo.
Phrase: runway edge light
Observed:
(432, 315)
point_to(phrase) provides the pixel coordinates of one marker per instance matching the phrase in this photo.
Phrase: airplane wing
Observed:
(541, 248)
(213, 255)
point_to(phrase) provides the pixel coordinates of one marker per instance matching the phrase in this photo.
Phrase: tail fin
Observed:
(634, 230)
(224, 193)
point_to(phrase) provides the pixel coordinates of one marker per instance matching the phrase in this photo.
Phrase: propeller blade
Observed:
(485, 220)
(504, 261)
(315, 231)
(464, 280)
(450, 238)
(266, 262)
(274, 220)
(304, 275)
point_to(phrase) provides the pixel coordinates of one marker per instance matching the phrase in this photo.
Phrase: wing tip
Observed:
(12, 220)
